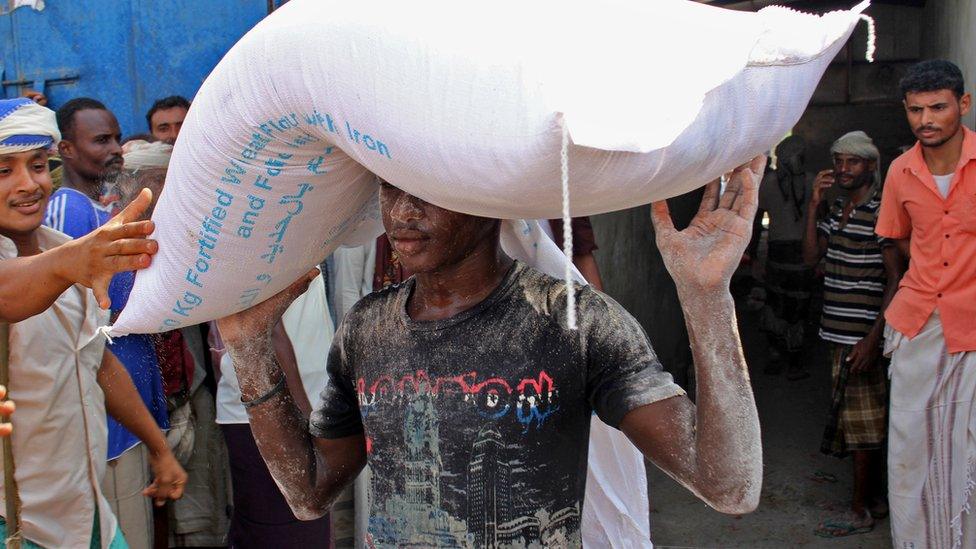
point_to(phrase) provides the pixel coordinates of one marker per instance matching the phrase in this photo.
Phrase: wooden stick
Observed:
(11, 495)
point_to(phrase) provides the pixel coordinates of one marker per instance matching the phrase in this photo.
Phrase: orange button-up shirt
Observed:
(942, 270)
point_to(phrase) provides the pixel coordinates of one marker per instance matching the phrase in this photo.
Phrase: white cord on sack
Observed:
(567, 229)
(105, 331)
(872, 37)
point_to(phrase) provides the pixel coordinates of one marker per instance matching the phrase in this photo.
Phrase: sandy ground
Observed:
(792, 414)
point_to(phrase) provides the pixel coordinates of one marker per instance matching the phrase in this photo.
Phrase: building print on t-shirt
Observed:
(477, 426)
(488, 507)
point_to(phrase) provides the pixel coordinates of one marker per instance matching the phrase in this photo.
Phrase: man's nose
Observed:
(406, 208)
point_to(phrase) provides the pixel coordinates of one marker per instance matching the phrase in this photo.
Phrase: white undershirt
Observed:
(942, 182)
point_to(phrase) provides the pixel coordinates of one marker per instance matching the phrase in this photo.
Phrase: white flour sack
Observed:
(463, 104)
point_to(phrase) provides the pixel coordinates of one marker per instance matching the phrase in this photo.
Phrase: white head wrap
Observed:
(141, 155)
(858, 144)
(25, 126)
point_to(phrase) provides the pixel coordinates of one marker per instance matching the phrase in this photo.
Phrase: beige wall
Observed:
(949, 32)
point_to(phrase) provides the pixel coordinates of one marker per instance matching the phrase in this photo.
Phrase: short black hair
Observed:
(165, 103)
(66, 114)
(147, 137)
(933, 75)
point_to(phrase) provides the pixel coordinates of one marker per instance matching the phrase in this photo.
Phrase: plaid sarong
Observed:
(857, 419)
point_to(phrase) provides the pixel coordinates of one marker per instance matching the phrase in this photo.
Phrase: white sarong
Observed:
(932, 441)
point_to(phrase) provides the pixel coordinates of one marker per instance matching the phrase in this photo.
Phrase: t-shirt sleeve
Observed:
(337, 414)
(893, 220)
(71, 213)
(623, 373)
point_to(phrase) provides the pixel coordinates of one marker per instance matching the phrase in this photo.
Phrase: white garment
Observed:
(931, 441)
(943, 182)
(60, 435)
(310, 329)
(354, 268)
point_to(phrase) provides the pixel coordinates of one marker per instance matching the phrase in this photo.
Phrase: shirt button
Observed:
(947, 236)
(945, 264)
(939, 294)
(945, 212)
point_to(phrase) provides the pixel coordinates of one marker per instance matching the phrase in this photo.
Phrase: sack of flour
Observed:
(469, 105)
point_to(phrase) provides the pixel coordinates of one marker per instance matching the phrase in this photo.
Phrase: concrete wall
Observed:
(950, 33)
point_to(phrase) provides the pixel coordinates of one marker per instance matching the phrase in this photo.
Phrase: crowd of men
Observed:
(247, 414)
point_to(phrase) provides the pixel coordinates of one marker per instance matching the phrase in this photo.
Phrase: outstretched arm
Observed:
(713, 448)
(29, 285)
(311, 472)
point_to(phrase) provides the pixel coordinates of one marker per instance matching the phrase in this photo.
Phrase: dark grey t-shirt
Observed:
(477, 426)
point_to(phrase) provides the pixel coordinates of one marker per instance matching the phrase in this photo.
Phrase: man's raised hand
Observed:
(117, 246)
(703, 257)
(261, 318)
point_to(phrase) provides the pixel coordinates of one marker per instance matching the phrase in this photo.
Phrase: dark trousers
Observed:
(261, 516)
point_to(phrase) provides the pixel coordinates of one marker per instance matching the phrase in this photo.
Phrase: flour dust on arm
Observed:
(712, 447)
(310, 472)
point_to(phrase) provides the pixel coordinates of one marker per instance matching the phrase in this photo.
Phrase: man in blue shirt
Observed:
(92, 155)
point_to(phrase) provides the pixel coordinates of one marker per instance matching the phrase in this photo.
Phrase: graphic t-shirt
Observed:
(477, 425)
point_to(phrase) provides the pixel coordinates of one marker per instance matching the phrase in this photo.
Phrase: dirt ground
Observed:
(792, 414)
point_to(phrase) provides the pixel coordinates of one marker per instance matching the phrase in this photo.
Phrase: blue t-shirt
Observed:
(73, 213)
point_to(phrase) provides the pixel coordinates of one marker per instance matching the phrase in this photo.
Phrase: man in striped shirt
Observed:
(860, 278)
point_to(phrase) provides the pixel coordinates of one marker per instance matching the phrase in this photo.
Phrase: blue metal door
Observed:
(125, 53)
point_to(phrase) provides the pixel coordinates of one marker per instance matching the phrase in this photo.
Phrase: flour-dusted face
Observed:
(25, 187)
(425, 237)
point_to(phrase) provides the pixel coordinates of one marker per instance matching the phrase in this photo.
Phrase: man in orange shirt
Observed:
(929, 208)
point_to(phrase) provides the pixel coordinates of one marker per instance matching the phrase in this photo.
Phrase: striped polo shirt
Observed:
(854, 274)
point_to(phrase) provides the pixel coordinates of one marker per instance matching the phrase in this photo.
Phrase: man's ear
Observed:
(872, 165)
(965, 103)
(66, 149)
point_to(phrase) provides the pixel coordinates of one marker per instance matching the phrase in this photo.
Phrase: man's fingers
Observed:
(135, 229)
(137, 207)
(732, 190)
(123, 263)
(661, 219)
(758, 165)
(710, 198)
(747, 200)
(100, 289)
(133, 246)
(7, 407)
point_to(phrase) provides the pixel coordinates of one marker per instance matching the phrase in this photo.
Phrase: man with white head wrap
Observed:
(860, 277)
(59, 366)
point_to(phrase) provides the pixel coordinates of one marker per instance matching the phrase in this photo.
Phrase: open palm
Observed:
(703, 256)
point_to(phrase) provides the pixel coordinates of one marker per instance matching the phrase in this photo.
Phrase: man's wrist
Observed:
(65, 261)
(706, 299)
